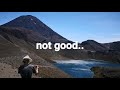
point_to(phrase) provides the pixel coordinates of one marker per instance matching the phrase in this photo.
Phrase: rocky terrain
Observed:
(19, 37)
(106, 72)
(9, 68)
(100, 51)
(17, 42)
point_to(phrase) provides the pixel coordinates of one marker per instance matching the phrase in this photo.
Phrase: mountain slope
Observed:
(32, 23)
(113, 45)
(15, 43)
(93, 45)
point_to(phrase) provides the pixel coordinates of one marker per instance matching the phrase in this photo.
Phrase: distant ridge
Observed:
(93, 45)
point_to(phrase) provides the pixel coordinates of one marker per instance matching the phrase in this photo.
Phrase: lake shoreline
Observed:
(82, 68)
(106, 72)
(54, 61)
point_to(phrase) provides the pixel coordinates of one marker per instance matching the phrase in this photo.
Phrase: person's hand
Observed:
(36, 68)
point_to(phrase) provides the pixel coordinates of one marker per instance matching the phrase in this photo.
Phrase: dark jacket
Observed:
(26, 71)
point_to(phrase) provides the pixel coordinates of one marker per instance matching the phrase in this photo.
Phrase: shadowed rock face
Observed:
(115, 46)
(21, 33)
(103, 72)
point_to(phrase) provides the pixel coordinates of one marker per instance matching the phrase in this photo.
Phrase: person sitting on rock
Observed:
(26, 70)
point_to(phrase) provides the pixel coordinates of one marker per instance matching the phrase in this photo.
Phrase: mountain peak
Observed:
(26, 21)
(30, 22)
(90, 40)
(28, 17)
(22, 21)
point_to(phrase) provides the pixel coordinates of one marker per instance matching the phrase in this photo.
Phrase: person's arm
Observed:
(19, 69)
